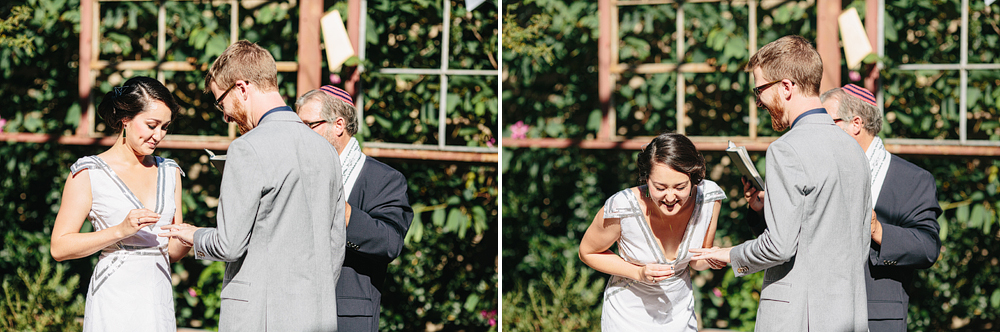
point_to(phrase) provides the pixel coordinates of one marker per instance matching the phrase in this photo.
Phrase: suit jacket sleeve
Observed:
(909, 220)
(755, 221)
(242, 188)
(784, 211)
(379, 225)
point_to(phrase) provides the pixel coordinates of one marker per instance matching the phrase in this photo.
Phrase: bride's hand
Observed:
(654, 273)
(136, 220)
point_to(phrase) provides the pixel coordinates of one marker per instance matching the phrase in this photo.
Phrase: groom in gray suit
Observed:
(812, 222)
(281, 227)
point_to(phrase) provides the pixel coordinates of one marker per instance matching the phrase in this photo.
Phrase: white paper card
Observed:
(854, 38)
(338, 44)
(472, 4)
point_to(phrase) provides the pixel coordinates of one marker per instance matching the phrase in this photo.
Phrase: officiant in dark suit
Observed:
(905, 236)
(378, 212)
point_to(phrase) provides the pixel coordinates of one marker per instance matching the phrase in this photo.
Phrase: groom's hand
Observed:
(717, 257)
(181, 232)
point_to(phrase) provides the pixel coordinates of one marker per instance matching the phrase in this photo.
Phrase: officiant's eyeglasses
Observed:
(314, 124)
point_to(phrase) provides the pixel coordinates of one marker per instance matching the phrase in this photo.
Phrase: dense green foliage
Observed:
(551, 195)
(447, 275)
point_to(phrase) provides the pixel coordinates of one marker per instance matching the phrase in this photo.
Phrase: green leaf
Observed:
(416, 232)
(479, 218)
(554, 129)
(995, 298)
(943, 222)
(382, 121)
(972, 96)
(456, 219)
(978, 212)
(594, 120)
(437, 217)
(216, 45)
(471, 302)
(73, 115)
(453, 101)
(904, 118)
(962, 213)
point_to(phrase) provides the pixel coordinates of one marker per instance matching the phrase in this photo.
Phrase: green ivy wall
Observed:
(551, 195)
(447, 274)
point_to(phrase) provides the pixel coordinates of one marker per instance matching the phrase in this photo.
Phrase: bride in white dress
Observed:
(127, 194)
(655, 225)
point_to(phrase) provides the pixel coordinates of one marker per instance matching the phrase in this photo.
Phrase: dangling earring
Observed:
(123, 131)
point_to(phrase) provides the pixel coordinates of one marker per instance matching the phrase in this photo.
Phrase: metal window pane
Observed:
(709, 97)
(931, 33)
(406, 110)
(911, 113)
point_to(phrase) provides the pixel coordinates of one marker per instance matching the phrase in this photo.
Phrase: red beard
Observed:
(777, 112)
(242, 118)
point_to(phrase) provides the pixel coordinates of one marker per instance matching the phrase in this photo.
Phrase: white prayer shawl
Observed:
(351, 160)
(878, 163)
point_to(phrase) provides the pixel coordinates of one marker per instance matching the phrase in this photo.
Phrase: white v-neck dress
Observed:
(130, 289)
(631, 305)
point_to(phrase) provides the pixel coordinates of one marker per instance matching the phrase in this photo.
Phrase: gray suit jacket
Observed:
(816, 234)
(280, 229)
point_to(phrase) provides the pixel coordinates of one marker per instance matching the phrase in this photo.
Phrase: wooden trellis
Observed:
(827, 45)
(308, 70)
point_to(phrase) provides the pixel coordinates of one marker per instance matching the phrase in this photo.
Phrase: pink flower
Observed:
(490, 316)
(335, 79)
(192, 292)
(519, 130)
(491, 142)
(854, 76)
(3, 122)
(717, 292)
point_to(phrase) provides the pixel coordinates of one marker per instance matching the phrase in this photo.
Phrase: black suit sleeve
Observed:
(756, 221)
(908, 213)
(380, 222)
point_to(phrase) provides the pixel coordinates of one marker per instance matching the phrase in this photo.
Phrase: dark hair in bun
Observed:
(677, 152)
(132, 98)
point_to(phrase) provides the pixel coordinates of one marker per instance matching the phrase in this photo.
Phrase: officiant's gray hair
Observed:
(333, 108)
(677, 152)
(851, 106)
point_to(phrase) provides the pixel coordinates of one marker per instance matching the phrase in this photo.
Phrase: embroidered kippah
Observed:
(860, 92)
(338, 92)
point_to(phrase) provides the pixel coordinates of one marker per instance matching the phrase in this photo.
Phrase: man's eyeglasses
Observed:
(218, 102)
(760, 89)
(839, 120)
(314, 124)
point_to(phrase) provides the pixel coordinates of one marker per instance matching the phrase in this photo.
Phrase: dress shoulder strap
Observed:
(83, 163)
(712, 191)
(621, 205)
(167, 162)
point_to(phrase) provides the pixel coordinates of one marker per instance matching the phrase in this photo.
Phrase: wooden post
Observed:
(84, 78)
(604, 84)
(827, 42)
(310, 60)
(353, 33)
(871, 26)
